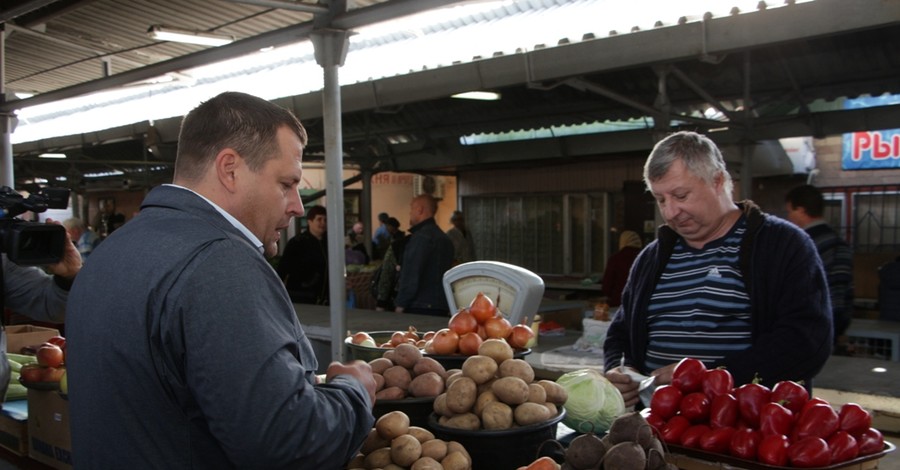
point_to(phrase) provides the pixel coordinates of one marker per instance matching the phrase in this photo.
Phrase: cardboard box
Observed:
(20, 336)
(14, 426)
(49, 438)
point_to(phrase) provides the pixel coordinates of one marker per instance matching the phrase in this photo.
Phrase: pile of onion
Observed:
(471, 325)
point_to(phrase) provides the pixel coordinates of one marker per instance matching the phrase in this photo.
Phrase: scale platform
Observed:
(516, 291)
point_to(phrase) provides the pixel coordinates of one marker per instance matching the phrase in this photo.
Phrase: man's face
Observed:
(688, 204)
(794, 214)
(416, 211)
(269, 197)
(318, 225)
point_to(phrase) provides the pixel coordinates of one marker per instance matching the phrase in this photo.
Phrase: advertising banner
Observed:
(871, 150)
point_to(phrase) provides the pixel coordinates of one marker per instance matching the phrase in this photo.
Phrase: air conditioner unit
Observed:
(426, 184)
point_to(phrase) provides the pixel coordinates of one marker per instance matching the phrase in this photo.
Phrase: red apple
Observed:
(50, 355)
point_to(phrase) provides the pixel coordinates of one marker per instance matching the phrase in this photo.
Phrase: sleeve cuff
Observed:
(64, 283)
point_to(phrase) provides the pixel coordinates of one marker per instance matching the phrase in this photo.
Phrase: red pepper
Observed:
(790, 394)
(688, 375)
(717, 440)
(809, 452)
(775, 419)
(871, 441)
(695, 407)
(665, 401)
(817, 421)
(723, 411)
(773, 450)
(854, 419)
(843, 447)
(717, 382)
(745, 443)
(674, 428)
(751, 397)
(691, 436)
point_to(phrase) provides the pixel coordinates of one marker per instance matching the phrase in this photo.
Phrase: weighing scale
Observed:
(516, 291)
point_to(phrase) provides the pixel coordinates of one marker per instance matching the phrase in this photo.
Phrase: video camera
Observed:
(32, 243)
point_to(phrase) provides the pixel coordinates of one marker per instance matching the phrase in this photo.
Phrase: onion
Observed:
(361, 336)
(411, 333)
(497, 327)
(398, 337)
(520, 336)
(463, 322)
(469, 343)
(482, 307)
(445, 342)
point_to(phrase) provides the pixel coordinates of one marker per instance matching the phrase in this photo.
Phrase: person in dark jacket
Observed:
(183, 348)
(427, 256)
(304, 265)
(618, 266)
(723, 282)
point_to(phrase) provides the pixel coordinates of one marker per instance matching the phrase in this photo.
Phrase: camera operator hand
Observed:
(70, 263)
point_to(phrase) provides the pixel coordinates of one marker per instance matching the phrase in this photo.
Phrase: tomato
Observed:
(745, 443)
(790, 394)
(854, 419)
(751, 397)
(695, 407)
(32, 373)
(688, 375)
(809, 452)
(674, 428)
(691, 436)
(870, 441)
(717, 440)
(817, 421)
(665, 401)
(843, 447)
(773, 450)
(717, 382)
(775, 419)
(50, 355)
(723, 411)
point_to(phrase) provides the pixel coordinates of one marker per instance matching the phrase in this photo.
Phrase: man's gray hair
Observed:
(699, 154)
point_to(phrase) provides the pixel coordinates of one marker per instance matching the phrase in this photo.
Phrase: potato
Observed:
(435, 448)
(392, 424)
(405, 450)
(479, 368)
(486, 386)
(517, 368)
(553, 409)
(429, 384)
(497, 349)
(428, 364)
(537, 394)
(461, 395)
(556, 394)
(511, 390)
(426, 463)
(453, 376)
(397, 376)
(468, 421)
(454, 446)
(483, 399)
(423, 435)
(380, 365)
(390, 393)
(378, 458)
(406, 355)
(440, 405)
(389, 355)
(456, 461)
(531, 413)
(379, 382)
(497, 415)
(374, 441)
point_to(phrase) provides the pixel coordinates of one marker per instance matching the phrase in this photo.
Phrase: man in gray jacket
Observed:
(184, 347)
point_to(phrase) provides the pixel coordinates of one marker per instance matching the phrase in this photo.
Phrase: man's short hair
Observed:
(383, 217)
(698, 153)
(809, 198)
(316, 211)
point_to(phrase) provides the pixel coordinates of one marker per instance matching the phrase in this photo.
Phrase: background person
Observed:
(427, 256)
(381, 239)
(184, 349)
(723, 282)
(354, 241)
(805, 208)
(463, 244)
(304, 265)
(385, 280)
(84, 238)
(618, 266)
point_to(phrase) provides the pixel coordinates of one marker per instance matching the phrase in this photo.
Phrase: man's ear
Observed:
(227, 163)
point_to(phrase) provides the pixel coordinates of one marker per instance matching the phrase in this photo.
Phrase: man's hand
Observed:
(663, 374)
(70, 263)
(627, 387)
(359, 370)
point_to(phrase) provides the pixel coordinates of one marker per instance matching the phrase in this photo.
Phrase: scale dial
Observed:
(516, 291)
(466, 289)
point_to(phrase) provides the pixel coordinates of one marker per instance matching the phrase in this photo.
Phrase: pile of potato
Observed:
(403, 372)
(394, 444)
(494, 391)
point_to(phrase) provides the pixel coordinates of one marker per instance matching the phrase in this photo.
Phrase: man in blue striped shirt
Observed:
(723, 282)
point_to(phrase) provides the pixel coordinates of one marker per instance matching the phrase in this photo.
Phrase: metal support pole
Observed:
(330, 51)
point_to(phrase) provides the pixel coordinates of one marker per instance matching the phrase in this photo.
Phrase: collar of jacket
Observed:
(418, 226)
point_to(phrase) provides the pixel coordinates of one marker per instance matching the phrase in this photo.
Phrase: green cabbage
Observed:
(593, 403)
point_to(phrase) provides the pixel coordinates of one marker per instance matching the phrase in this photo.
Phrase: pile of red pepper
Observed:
(781, 426)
